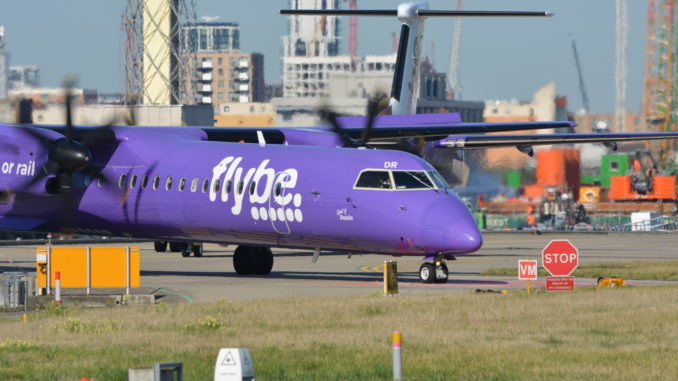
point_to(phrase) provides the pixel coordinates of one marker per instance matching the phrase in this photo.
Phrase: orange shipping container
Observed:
(664, 187)
(559, 168)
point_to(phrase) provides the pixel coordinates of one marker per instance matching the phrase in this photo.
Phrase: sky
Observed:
(508, 58)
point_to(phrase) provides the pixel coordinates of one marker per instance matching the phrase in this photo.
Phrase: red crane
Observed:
(353, 30)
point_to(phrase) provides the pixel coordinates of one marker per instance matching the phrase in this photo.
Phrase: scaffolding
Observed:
(661, 90)
(4, 66)
(160, 62)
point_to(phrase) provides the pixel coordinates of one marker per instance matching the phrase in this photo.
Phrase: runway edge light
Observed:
(234, 364)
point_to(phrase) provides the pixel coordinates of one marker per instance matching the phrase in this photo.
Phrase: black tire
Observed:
(160, 246)
(445, 271)
(264, 261)
(197, 250)
(176, 247)
(427, 273)
(186, 250)
(243, 262)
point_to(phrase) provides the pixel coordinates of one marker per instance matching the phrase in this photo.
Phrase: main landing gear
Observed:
(184, 248)
(250, 260)
(436, 271)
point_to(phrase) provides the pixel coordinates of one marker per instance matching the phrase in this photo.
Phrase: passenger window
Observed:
(194, 185)
(216, 185)
(133, 182)
(168, 183)
(156, 182)
(228, 186)
(278, 188)
(182, 184)
(205, 185)
(122, 181)
(411, 180)
(144, 182)
(241, 185)
(374, 180)
(253, 186)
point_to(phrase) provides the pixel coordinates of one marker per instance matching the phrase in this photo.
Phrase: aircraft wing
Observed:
(431, 132)
(493, 141)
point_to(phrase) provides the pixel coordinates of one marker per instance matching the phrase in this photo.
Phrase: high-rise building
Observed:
(227, 75)
(210, 37)
(24, 76)
(312, 36)
(4, 65)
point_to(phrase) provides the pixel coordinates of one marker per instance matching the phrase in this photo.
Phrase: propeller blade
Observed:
(372, 109)
(99, 135)
(331, 117)
(69, 206)
(69, 82)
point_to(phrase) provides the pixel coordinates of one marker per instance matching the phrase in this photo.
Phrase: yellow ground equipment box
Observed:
(611, 282)
(85, 267)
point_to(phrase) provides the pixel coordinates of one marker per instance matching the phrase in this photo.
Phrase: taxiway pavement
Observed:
(212, 277)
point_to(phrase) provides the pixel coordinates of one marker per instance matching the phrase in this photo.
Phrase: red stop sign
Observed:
(560, 258)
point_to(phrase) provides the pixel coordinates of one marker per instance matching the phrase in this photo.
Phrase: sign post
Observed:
(527, 270)
(390, 277)
(560, 258)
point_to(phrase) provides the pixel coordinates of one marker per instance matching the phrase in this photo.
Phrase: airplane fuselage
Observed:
(170, 184)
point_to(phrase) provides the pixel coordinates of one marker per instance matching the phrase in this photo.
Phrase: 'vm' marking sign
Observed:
(527, 269)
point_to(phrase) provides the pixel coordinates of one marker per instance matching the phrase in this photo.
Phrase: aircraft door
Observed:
(276, 203)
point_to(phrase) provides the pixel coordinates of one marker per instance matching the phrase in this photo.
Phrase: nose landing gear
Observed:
(435, 271)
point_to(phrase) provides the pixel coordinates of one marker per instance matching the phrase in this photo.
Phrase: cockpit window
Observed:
(438, 180)
(374, 180)
(411, 180)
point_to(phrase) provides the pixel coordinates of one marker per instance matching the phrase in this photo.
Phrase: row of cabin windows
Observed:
(216, 185)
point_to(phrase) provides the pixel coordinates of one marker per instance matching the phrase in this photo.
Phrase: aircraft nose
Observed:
(463, 234)
(450, 227)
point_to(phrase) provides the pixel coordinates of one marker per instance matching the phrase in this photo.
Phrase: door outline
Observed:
(278, 178)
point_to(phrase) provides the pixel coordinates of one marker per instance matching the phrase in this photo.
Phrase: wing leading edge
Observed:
(494, 141)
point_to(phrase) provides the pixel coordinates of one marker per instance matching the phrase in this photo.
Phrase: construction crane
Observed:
(353, 30)
(622, 28)
(452, 85)
(660, 99)
(580, 76)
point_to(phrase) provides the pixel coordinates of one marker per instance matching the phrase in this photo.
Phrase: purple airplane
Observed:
(310, 188)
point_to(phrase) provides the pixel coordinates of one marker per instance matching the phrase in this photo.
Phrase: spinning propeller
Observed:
(331, 116)
(67, 156)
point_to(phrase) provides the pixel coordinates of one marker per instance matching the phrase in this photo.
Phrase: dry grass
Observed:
(662, 270)
(624, 334)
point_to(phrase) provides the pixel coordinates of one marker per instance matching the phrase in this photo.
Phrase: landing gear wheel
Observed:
(185, 250)
(264, 261)
(248, 260)
(197, 250)
(243, 262)
(427, 272)
(175, 247)
(441, 273)
(160, 246)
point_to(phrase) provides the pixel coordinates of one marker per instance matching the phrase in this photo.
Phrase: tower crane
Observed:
(580, 76)
(452, 90)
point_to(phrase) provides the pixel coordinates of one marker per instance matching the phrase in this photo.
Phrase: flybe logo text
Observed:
(270, 194)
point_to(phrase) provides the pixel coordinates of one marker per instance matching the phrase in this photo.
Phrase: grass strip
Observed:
(663, 270)
(625, 334)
